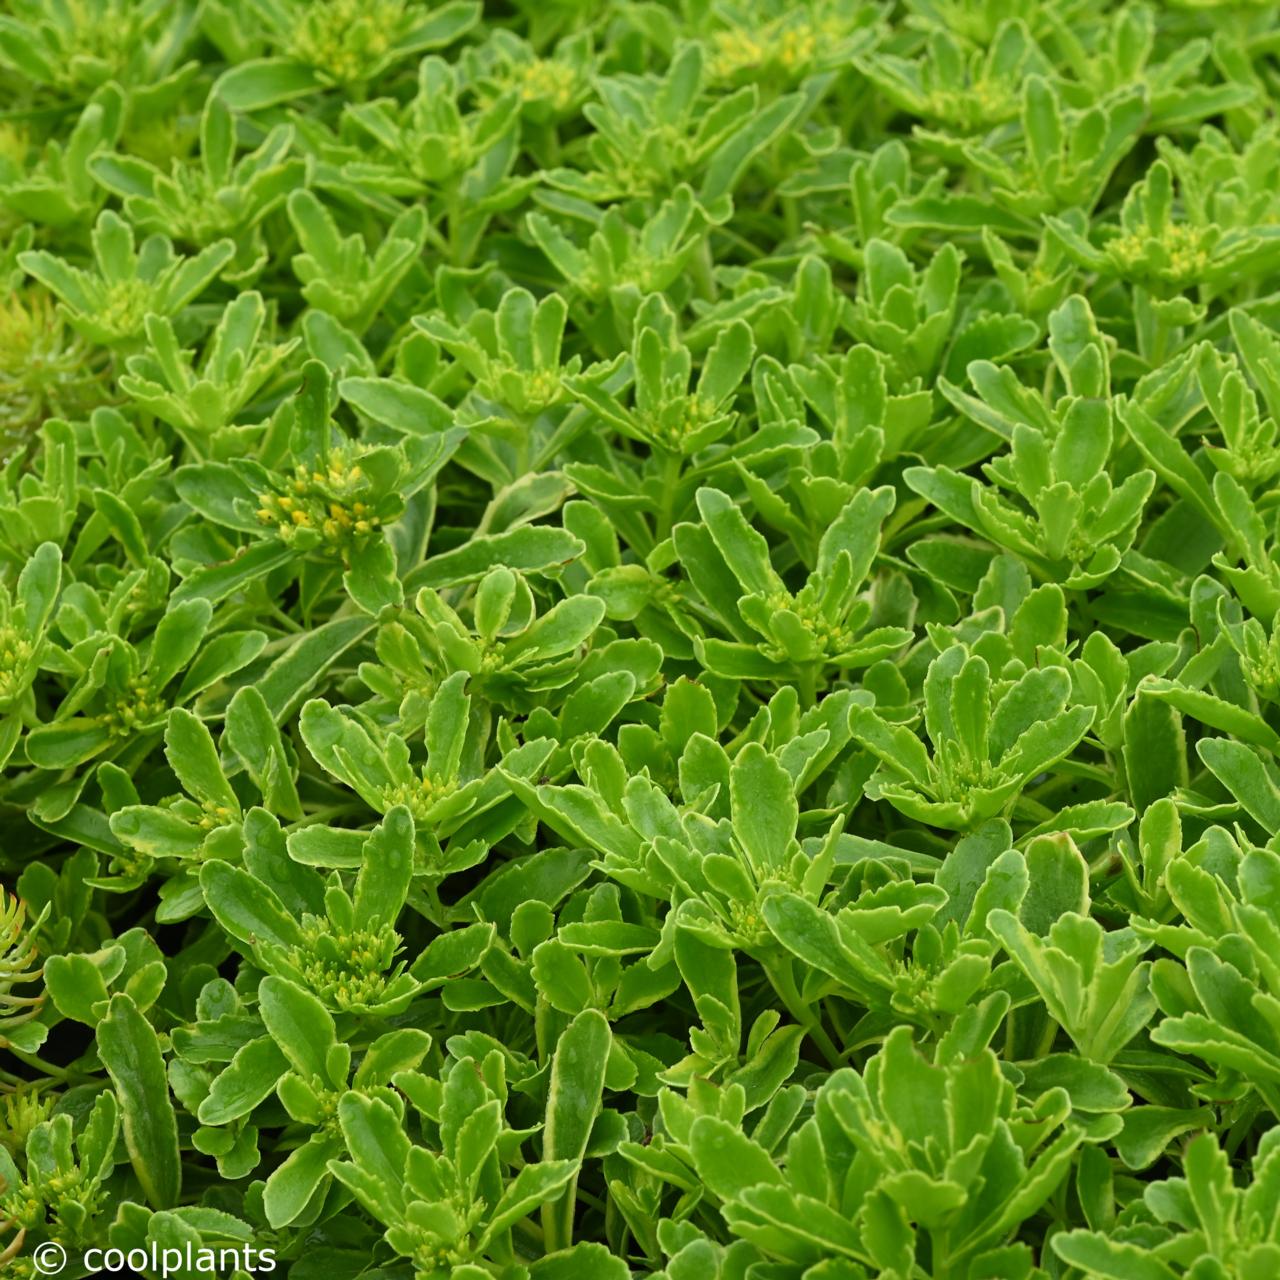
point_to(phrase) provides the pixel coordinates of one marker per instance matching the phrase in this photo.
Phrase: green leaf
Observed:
(130, 1051)
(1246, 777)
(534, 1185)
(264, 82)
(1058, 882)
(573, 1103)
(190, 751)
(246, 908)
(765, 810)
(377, 1143)
(291, 677)
(1095, 1255)
(398, 405)
(577, 1078)
(533, 549)
(248, 1079)
(292, 1184)
(386, 870)
(251, 732)
(727, 1160)
(300, 1026)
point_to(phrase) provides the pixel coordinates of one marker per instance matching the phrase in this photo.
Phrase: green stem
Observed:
(1081, 601)
(807, 683)
(1045, 1047)
(940, 1251)
(326, 814)
(557, 1217)
(453, 211)
(669, 479)
(289, 624)
(791, 219)
(39, 1064)
(781, 981)
(703, 271)
(425, 899)
(523, 446)
(541, 1017)
(833, 1013)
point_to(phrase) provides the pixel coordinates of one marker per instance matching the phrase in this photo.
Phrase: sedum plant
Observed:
(640, 641)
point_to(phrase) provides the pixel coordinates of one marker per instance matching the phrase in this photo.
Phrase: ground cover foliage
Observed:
(640, 639)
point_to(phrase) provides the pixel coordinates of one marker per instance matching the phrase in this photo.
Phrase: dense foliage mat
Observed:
(640, 639)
